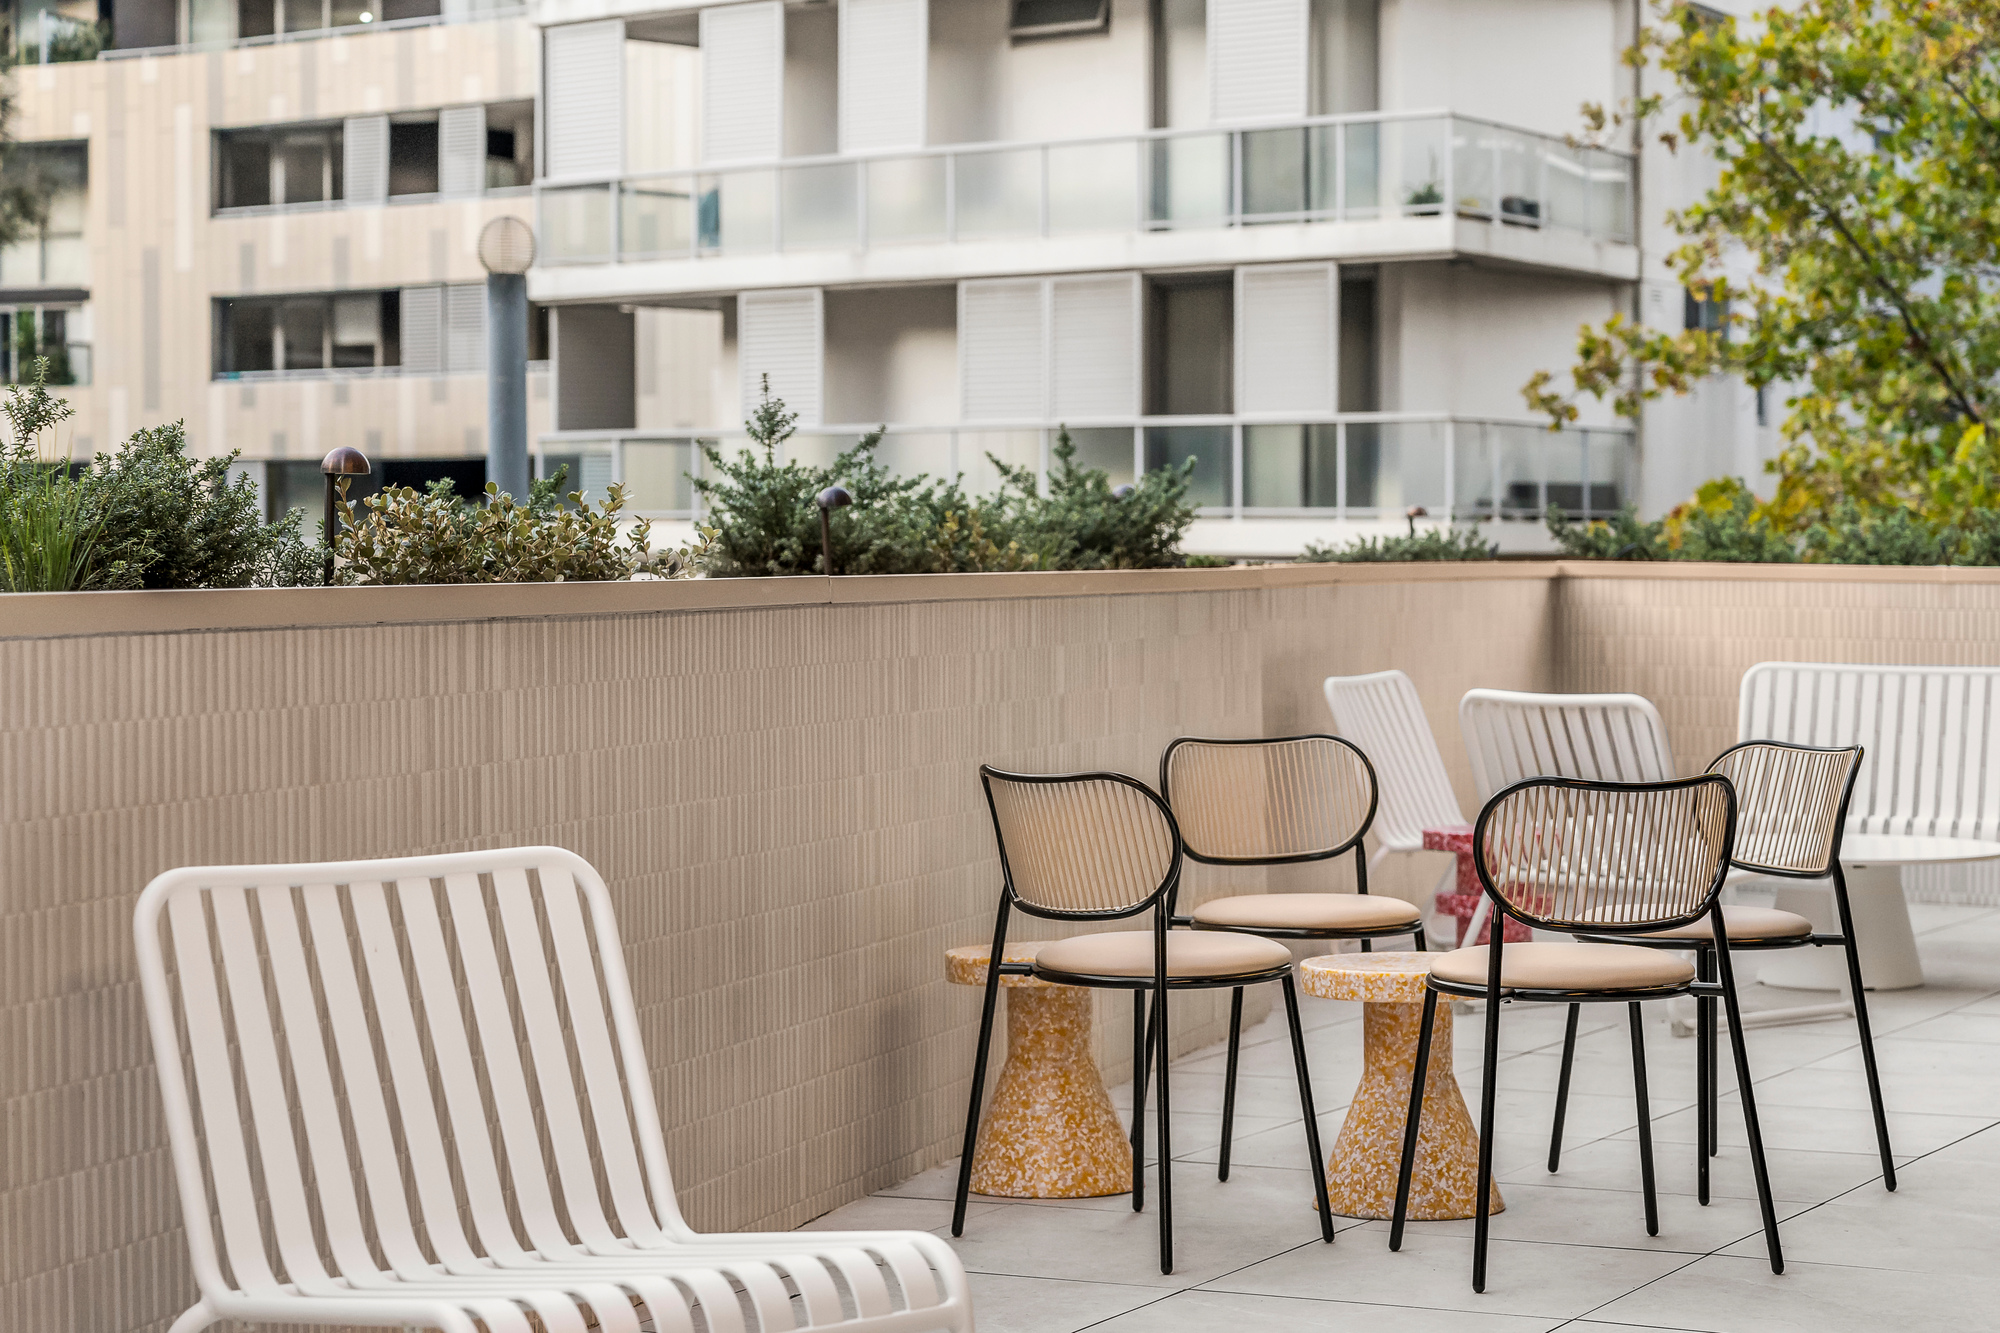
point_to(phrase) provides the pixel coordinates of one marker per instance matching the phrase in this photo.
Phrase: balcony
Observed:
(1357, 467)
(1401, 180)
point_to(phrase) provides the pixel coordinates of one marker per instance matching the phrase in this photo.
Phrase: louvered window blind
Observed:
(364, 155)
(584, 81)
(1036, 349)
(462, 150)
(781, 334)
(884, 51)
(743, 83)
(1286, 320)
(1259, 60)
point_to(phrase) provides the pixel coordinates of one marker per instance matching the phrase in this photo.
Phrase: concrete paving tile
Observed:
(1614, 1164)
(1561, 1215)
(1816, 1129)
(885, 1212)
(1005, 1303)
(1434, 1271)
(1206, 1311)
(1738, 1295)
(1958, 1025)
(1913, 1230)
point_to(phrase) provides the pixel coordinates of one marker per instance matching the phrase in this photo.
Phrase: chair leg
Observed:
(1489, 1094)
(1420, 945)
(1638, 1019)
(1727, 974)
(1306, 1105)
(1166, 1144)
(1562, 1089)
(1867, 1035)
(1414, 1119)
(1229, 1079)
(1140, 1033)
(1704, 1083)
(1714, 1062)
(978, 1089)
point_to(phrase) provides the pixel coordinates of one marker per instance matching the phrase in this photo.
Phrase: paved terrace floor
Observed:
(1570, 1251)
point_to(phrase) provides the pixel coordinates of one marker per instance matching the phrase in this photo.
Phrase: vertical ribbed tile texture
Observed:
(784, 803)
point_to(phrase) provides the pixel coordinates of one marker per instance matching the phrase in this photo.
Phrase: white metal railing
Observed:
(1327, 168)
(1352, 465)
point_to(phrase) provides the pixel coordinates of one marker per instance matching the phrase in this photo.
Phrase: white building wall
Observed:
(1461, 339)
(1526, 63)
(984, 88)
(892, 356)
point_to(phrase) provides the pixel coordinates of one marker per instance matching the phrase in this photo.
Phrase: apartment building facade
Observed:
(1314, 246)
(262, 222)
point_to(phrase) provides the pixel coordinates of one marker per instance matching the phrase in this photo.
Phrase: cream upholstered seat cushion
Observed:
(1742, 923)
(1568, 967)
(1129, 953)
(1309, 911)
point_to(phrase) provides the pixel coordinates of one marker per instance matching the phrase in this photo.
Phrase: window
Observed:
(1704, 313)
(312, 332)
(52, 252)
(292, 164)
(263, 18)
(1058, 18)
(413, 154)
(510, 145)
(60, 333)
(1190, 344)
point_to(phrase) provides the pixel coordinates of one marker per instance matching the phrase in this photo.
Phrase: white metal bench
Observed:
(516, 1179)
(1931, 773)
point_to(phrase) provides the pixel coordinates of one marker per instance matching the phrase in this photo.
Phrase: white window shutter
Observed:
(1286, 323)
(421, 313)
(583, 78)
(465, 327)
(1002, 349)
(1094, 346)
(1259, 60)
(781, 334)
(884, 59)
(462, 150)
(364, 159)
(743, 83)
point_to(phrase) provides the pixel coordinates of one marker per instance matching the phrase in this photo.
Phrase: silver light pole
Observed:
(507, 250)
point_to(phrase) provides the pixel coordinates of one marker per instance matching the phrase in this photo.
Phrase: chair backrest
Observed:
(1267, 802)
(1510, 735)
(1381, 713)
(1932, 736)
(485, 990)
(1791, 804)
(1082, 844)
(1568, 854)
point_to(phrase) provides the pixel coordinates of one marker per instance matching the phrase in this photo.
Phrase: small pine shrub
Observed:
(1727, 531)
(1433, 544)
(1621, 537)
(1897, 537)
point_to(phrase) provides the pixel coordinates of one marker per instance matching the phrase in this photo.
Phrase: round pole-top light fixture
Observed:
(507, 245)
(346, 461)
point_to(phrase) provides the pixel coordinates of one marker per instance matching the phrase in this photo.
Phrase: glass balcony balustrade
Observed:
(1365, 465)
(1330, 169)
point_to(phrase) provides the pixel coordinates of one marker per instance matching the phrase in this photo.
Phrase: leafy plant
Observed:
(1083, 522)
(1871, 247)
(1622, 537)
(50, 538)
(1431, 544)
(433, 537)
(1895, 537)
(177, 522)
(1723, 524)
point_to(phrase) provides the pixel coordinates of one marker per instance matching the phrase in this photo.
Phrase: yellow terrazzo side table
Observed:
(1361, 1171)
(1050, 1131)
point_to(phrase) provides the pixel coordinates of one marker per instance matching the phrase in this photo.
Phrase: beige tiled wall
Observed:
(777, 779)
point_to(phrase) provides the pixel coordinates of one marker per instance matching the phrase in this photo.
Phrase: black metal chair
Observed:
(1264, 802)
(1791, 815)
(1104, 847)
(1618, 860)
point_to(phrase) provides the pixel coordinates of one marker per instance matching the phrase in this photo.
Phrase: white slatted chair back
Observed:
(1931, 735)
(1511, 735)
(1381, 713)
(416, 1086)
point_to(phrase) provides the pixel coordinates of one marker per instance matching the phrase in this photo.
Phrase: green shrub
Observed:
(403, 536)
(1730, 533)
(1898, 537)
(767, 521)
(177, 522)
(1434, 544)
(1083, 522)
(50, 538)
(1622, 537)
(1979, 540)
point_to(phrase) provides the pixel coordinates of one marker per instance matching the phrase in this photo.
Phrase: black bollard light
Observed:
(346, 461)
(1413, 513)
(1121, 492)
(830, 499)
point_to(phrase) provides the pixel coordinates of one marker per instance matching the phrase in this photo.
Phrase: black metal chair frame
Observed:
(1707, 1081)
(1353, 844)
(1147, 1031)
(1494, 995)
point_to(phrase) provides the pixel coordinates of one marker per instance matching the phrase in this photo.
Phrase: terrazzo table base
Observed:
(1362, 1168)
(1050, 1131)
